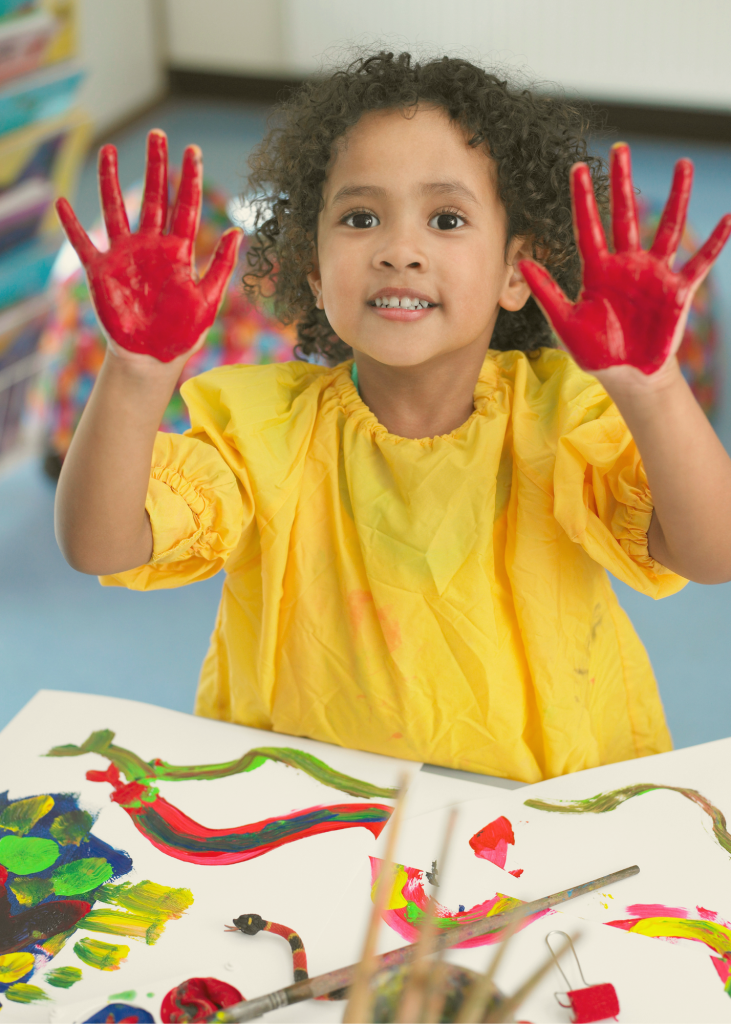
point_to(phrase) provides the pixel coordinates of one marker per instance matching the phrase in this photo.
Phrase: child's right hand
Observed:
(144, 287)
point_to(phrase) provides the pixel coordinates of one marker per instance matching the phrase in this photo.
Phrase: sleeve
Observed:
(198, 511)
(602, 499)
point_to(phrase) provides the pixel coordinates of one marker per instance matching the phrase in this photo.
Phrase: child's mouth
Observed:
(401, 307)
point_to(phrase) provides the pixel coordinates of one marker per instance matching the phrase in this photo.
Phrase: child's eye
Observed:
(362, 220)
(446, 221)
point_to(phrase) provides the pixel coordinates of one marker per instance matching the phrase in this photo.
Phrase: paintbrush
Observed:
(344, 976)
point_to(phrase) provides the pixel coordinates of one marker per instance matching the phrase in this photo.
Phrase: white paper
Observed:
(296, 885)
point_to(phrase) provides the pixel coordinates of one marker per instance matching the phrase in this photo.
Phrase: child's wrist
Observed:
(626, 385)
(142, 370)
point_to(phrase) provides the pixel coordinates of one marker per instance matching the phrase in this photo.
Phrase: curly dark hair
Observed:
(533, 139)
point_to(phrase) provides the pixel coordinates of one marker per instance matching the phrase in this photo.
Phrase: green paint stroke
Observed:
(63, 977)
(25, 856)
(146, 909)
(55, 944)
(130, 925)
(603, 802)
(147, 897)
(123, 997)
(22, 993)
(72, 828)
(81, 876)
(135, 769)
(22, 815)
(31, 891)
(105, 956)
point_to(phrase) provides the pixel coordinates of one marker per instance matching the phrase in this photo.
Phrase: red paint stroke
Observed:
(38, 923)
(144, 287)
(408, 904)
(197, 999)
(491, 843)
(632, 307)
(177, 835)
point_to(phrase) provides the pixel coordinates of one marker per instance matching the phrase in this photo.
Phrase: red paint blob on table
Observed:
(491, 842)
(197, 999)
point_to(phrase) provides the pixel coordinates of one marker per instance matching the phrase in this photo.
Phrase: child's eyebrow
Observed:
(456, 189)
(450, 188)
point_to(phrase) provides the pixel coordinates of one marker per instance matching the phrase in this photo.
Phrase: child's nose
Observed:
(399, 253)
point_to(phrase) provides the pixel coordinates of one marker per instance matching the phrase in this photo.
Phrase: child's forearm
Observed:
(688, 470)
(101, 523)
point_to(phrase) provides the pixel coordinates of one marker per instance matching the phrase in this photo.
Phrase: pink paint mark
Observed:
(723, 968)
(491, 842)
(707, 915)
(657, 910)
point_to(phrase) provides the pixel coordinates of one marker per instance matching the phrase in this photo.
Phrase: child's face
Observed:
(411, 212)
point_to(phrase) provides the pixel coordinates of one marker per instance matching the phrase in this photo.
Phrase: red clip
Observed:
(597, 1002)
(591, 1003)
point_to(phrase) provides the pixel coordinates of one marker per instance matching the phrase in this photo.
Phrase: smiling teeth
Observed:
(394, 302)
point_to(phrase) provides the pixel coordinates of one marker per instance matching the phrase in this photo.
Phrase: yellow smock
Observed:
(442, 599)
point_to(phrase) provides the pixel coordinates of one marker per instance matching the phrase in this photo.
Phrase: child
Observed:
(415, 542)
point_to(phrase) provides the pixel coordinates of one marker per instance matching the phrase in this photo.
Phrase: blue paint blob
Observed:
(115, 1012)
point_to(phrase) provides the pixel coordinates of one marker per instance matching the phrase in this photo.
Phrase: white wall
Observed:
(234, 36)
(649, 51)
(120, 47)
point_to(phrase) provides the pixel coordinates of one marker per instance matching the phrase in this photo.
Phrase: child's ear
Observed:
(515, 291)
(314, 279)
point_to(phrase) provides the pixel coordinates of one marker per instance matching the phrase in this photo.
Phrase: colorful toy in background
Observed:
(75, 345)
(43, 141)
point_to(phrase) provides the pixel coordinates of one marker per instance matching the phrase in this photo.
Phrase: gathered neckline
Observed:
(355, 408)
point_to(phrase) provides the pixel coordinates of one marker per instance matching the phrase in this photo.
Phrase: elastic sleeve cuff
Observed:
(196, 514)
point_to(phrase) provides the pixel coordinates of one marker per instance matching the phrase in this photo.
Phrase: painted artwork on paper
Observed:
(407, 906)
(57, 877)
(603, 802)
(176, 834)
(492, 842)
(677, 923)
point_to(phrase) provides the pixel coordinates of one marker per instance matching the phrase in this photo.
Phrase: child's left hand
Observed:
(633, 307)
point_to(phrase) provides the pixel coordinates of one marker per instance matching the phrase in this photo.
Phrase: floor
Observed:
(60, 630)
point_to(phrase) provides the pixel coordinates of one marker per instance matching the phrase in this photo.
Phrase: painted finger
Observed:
(547, 294)
(698, 266)
(587, 222)
(85, 248)
(221, 267)
(187, 209)
(115, 215)
(625, 226)
(672, 223)
(155, 200)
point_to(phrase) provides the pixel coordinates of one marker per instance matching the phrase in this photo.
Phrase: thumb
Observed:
(221, 267)
(547, 294)
(85, 248)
